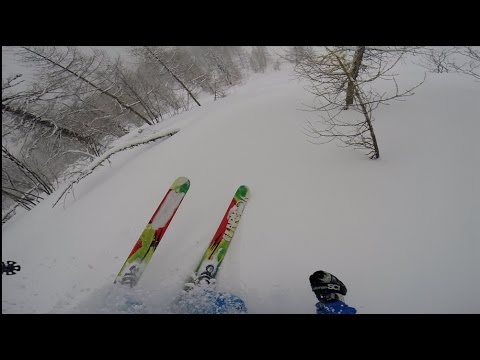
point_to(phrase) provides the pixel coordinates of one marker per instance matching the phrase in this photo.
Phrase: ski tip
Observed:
(181, 184)
(243, 192)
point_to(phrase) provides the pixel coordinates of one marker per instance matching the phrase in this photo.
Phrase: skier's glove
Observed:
(327, 287)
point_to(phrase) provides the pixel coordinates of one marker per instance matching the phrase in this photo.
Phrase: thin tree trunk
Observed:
(37, 119)
(171, 73)
(47, 187)
(376, 153)
(136, 95)
(357, 61)
(92, 85)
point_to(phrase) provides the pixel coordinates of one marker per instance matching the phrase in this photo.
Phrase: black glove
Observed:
(327, 288)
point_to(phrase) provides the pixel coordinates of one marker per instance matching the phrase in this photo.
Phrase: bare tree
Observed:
(71, 68)
(221, 60)
(221, 69)
(295, 54)
(53, 120)
(342, 78)
(241, 56)
(38, 180)
(19, 188)
(165, 59)
(353, 74)
(17, 105)
(259, 58)
(80, 100)
(52, 123)
(218, 91)
(276, 65)
(138, 90)
(20, 103)
(24, 178)
(436, 60)
(458, 59)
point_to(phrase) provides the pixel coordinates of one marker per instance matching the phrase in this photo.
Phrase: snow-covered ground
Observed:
(401, 232)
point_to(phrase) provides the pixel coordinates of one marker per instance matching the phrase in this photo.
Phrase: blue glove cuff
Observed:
(334, 307)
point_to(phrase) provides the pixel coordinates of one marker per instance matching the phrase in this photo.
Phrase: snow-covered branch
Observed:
(89, 169)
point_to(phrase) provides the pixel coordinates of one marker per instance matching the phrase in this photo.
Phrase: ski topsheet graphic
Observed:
(215, 253)
(144, 248)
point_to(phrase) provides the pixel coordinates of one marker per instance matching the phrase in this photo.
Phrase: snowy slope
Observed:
(402, 232)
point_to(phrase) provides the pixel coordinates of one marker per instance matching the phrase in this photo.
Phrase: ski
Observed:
(145, 246)
(212, 258)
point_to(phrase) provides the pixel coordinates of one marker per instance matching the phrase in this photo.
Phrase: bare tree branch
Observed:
(458, 59)
(92, 166)
(171, 71)
(78, 74)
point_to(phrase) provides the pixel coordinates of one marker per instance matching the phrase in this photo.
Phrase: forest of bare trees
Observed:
(76, 101)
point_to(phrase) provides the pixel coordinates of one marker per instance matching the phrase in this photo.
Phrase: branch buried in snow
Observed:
(89, 169)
